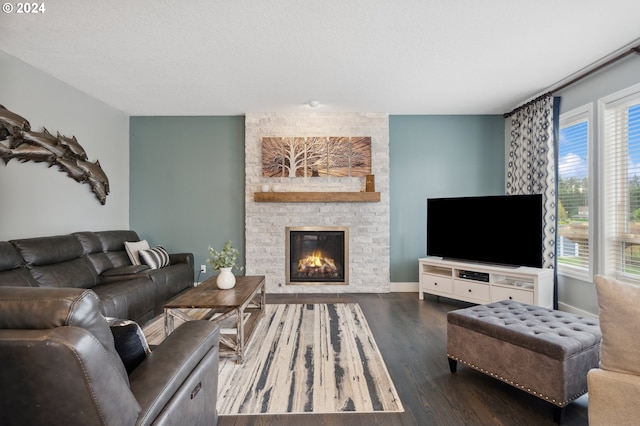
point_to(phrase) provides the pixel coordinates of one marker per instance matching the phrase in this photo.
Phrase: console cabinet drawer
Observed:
(504, 293)
(437, 283)
(470, 290)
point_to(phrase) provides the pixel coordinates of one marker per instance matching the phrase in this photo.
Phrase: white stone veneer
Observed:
(368, 222)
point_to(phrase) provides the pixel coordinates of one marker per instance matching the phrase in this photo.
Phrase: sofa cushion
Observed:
(155, 258)
(620, 325)
(12, 268)
(77, 273)
(131, 299)
(89, 241)
(57, 261)
(133, 249)
(9, 257)
(114, 240)
(48, 250)
(93, 251)
(129, 341)
(113, 245)
(170, 281)
(19, 277)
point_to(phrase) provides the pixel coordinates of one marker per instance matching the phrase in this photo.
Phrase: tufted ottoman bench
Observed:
(544, 352)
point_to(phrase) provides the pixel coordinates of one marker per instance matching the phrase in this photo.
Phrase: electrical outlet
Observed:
(203, 268)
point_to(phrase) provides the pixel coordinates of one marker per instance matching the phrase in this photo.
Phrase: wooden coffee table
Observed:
(237, 311)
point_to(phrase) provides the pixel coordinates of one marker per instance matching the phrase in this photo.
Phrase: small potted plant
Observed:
(224, 261)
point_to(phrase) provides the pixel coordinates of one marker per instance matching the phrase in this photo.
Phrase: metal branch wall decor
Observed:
(18, 141)
(316, 156)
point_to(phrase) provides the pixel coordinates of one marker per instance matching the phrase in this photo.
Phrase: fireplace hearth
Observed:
(317, 255)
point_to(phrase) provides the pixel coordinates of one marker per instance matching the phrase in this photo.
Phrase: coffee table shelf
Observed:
(237, 311)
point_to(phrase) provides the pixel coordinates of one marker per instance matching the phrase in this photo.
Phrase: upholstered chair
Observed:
(614, 388)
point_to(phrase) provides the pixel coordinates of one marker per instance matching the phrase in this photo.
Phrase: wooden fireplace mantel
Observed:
(316, 197)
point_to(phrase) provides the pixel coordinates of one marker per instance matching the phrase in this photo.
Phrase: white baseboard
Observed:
(406, 287)
(402, 287)
(573, 310)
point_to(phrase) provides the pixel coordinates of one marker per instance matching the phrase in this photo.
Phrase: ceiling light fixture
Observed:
(314, 104)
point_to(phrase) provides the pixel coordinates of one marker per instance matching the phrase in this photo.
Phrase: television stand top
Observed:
(479, 262)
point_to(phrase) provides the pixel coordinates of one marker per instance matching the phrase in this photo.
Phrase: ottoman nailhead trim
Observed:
(517, 385)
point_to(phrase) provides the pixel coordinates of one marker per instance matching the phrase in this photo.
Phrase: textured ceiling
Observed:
(230, 57)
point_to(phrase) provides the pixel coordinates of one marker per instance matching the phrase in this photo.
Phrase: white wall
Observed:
(575, 294)
(36, 200)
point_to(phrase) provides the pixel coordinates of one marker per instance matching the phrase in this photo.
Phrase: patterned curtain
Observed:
(531, 166)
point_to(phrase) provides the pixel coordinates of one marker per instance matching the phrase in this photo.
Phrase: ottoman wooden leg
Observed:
(558, 414)
(453, 365)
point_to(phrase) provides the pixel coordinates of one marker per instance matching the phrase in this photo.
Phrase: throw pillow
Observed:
(620, 325)
(133, 247)
(130, 342)
(155, 258)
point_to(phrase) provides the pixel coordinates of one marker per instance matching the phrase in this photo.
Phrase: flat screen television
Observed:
(501, 229)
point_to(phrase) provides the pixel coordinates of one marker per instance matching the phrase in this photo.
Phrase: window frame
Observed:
(578, 115)
(606, 261)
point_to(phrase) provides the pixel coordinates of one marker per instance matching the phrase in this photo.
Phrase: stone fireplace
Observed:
(317, 255)
(266, 223)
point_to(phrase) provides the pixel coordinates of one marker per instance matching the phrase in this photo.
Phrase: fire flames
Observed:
(317, 265)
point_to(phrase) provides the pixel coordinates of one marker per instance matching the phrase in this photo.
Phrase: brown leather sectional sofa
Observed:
(97, 261)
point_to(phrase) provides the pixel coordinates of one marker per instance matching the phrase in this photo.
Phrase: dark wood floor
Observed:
(411, 335)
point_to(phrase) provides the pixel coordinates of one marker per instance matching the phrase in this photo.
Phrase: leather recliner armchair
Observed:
(59, 366)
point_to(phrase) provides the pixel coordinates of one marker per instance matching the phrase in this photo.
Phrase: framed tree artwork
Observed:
(338, 156)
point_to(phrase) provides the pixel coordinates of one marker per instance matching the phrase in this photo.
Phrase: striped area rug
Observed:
(308, 358)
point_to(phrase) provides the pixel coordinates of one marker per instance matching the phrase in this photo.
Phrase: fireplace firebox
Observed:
(317, 255)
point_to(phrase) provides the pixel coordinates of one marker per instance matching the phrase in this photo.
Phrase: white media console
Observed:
(479, 283)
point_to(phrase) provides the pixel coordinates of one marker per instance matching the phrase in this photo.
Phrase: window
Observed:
(620, 150)
(573, 241)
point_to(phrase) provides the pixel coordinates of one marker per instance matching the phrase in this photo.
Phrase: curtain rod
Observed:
(523, 106)
(552, 89)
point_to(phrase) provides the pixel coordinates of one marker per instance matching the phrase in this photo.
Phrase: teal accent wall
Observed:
(187, 183)
(187, 179)
(437, 156)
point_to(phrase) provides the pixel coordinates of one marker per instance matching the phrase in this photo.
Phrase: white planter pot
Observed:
(226, 279)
